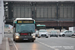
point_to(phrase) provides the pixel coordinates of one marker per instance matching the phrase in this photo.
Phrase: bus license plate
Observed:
(25, 39)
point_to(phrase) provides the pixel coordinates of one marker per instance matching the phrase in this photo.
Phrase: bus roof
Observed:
(23, 19)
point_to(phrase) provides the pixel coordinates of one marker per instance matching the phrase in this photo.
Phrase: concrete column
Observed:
(1, 20)
(3, 17)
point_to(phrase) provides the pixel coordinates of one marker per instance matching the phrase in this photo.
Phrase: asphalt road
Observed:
(51, 43)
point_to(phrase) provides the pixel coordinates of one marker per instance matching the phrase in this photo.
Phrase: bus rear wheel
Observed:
(15, 40)
(31, 40)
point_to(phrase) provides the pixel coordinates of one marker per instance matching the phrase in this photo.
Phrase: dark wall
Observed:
(48, 13)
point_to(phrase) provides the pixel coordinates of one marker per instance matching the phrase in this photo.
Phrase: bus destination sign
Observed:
(25, 21)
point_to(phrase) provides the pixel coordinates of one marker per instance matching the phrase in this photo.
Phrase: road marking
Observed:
(47, 45)
(7, 44)
(15, 45)
(56, 49)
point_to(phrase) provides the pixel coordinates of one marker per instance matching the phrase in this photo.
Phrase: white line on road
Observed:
(56, 49)
(15, 45)
(48, 45)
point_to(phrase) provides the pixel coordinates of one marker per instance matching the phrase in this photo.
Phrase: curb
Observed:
(7, 44)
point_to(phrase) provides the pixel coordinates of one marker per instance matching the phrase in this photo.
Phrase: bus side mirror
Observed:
(14, 25)
(35, 26)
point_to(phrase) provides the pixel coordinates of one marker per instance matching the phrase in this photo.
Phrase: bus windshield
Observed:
(25, 28)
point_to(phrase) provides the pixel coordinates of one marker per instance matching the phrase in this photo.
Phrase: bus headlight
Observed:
(33, 36)
(16, 37)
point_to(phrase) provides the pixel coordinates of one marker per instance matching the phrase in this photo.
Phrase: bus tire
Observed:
(16, 41)
(13, 38)
(32, 40)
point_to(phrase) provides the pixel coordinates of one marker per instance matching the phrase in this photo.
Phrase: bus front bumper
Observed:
(25, 38)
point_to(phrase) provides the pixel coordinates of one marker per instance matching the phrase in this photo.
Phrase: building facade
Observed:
(56, 13)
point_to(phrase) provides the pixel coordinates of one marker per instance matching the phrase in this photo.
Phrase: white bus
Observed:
(24, 29)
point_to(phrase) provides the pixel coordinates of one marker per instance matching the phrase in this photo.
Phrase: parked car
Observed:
(66, 33)
(73, 33)
(72, 29)
(54, 33)
(43, 33)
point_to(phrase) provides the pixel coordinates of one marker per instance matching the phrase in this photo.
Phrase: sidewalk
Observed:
(5, 44)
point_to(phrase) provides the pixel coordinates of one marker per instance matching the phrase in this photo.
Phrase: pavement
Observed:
(51, 43)
(5, 44)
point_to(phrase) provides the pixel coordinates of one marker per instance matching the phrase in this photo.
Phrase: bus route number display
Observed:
(22, 21)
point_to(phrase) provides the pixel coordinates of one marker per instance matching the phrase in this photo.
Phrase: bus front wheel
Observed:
(15, 40)
(31, 40)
